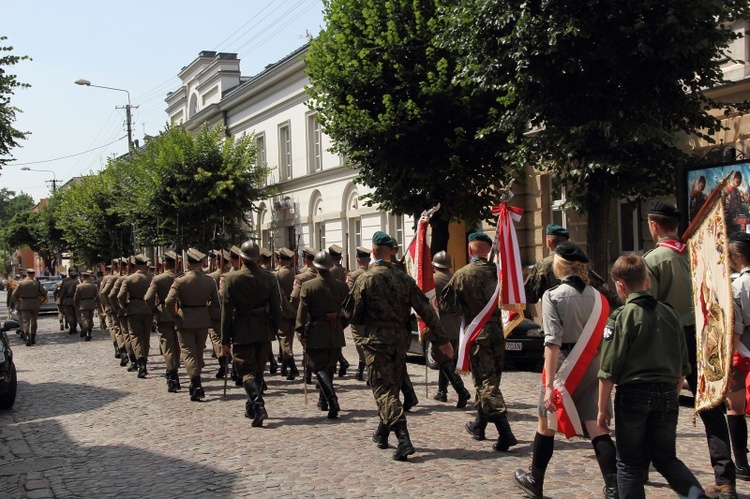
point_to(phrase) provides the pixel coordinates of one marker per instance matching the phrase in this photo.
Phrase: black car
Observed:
(8, 378)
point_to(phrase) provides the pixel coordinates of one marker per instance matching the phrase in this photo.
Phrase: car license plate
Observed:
(514, 345)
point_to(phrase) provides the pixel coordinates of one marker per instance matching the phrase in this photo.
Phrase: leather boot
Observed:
(410, 396)
(505, 439)
(88, 335)
(325, 380)
(123, 358)
(142, 372)
(133, 364)
(531, 482)
(196, 390)
(222, 367)
(476, 427)
(360, 375)
(458, 384)
(258, 412)
(83, 332)
(62, 326)
(308, 377)
(170, 381)
(284, 366)
(442, 392)
(293, 372)
(610, 486)
(322, 402)
(405, 448)
(33, 338)
(343, 365)
(117, 350)
(273, 366)
(380, 436)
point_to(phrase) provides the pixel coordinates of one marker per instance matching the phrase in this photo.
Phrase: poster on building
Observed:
(712, 299)
(735, 195)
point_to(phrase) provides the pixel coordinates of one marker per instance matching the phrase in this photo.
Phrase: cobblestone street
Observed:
(84, 427)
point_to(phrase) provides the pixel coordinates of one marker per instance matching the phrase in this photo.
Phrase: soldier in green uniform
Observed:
(250, 315)
(28, 298)
(309, 272)
(221, 261)
(56, 296)
(165, 322)
(382, 300)
(120, 315)
(67, 292)
(285, 277)
(320, 328)
(86, 300)
(100, 309)
(339, 272)
(363, 261)
(140, 317)
(188, 302)
(467, 293)
(441, 265)
(541, 277)
(266, 257)
(105, 308)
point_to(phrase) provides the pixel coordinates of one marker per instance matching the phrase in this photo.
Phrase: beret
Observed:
(335, 250)
(480, 236)
(363, 252)
(570, 252)
(556, 230)
(265, 253)
(194, 255)
(739, 237)
(380, 238)
(234, 252)
(309, 253)
(140, 259)
(663, 209)
(286, 254)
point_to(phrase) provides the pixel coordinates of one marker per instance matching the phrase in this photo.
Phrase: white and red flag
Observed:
(419, 261)
(509, 294)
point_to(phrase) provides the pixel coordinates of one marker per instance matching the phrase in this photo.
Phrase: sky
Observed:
(137, 46)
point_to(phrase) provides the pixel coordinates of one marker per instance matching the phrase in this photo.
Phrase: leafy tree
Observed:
(9, 136)
(385, 93)
(11, 204)
(606, 87)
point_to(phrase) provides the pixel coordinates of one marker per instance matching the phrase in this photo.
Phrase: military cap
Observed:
(31, 271)
(663, 209)
(170, 256)
(363, 252)
(570, 252)
(213, 254)
(556, 230)
(108, 267)
(194, 256)
(309, 253)
(234, 252)
(226, 254)
(265, 253)
(739, 237)
(380, 238)
(124, 260)
(286, 254)
(335, 250)
(140, 259)
(72, 272)
(86, 273)
(480, 236)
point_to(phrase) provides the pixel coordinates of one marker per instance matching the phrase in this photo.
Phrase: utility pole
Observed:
(128, 116)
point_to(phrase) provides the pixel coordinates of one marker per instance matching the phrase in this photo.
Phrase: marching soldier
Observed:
(541, 277)
(441, 264)
(97, 281)
(363, 260)
(320, 329)
(29, 295)
(467, 293)
(250, 317)
(188, 302)
(103, 315)
(339, 272)
(111, 311)
(308, 255)
(382, 301)
(139, 316)
(285, 276)
(60, 309)
(121, 317)
(222, 267)
(86, 300)
(265, 259)
(67, 292)
(165, 323)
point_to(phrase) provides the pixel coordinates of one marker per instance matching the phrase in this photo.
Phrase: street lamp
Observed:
(87, 83)
(54, 177)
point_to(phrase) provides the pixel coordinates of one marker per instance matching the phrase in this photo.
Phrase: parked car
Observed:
(8, 378)
(50, 306)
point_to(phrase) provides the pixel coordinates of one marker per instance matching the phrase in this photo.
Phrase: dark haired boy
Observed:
(639, 356)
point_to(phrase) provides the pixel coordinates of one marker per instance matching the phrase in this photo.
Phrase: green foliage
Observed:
(9, 136)
(385, 93)
(10, 204)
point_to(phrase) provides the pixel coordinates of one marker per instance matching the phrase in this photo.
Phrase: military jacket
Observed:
(338, 272)
(132, 291)
(215, 309)
(189, 298)
(382, 301)
(451, 322)
(68, 291)
(285, 278)
(301, 278)
(103, 298)
(28, 294)
(56, 292)
(351, 278)
(112, 296)
(157, 295)
(540, 279)
(671, 283)
(319, 319)
(86, 296)
(251, 306)
(643, 343)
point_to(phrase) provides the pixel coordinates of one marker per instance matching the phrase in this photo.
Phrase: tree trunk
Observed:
(440, 233)
(597, 211)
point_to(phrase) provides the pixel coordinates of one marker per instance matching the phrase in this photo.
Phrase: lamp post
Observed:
(54, 177)
(87, 83)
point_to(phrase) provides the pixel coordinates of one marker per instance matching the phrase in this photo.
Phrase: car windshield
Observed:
(49, 285)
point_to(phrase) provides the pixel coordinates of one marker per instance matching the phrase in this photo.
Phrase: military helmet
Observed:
(323, 260)
(250, 251)
(441, 260)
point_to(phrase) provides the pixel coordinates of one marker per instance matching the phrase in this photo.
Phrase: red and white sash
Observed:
(565, 419)
(674, 244)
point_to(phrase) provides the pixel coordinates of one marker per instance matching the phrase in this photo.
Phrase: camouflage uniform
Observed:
(540, 279)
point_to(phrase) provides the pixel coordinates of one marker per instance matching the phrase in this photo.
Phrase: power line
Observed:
(66, 157)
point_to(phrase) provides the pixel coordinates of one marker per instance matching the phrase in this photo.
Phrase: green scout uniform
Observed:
(250, 316)
(383, 299)
(27, 297)
(669, 272)
(86, 300)
(140, 318)
(156, 297)
(467, 293)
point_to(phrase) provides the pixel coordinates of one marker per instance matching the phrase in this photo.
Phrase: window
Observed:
(285, 152)
(193, 109)
(558, 215)
(629, 222)
(314, 145)
(397, 232)
(260, 153)
(320, 229)
(357, 233)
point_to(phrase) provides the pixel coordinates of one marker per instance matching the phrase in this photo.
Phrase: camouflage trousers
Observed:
(387, 365)
(487, 360)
